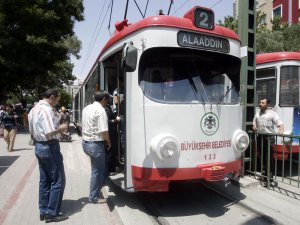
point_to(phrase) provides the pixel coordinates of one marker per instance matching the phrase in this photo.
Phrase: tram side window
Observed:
(91, 87)
(266, 85)
(289, 86)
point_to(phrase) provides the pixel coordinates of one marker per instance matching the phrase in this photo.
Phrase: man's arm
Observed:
(106, 138)
(62, 128)
(280, 129)
(254, 127)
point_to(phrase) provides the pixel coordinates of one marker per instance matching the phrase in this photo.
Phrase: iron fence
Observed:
(273, 158)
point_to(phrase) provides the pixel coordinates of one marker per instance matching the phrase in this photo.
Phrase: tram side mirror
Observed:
(129, 58)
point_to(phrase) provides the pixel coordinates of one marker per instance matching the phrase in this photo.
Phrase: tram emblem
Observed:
(209, 123)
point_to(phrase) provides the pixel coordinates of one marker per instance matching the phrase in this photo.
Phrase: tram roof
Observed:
(123, 29)
(277, 56)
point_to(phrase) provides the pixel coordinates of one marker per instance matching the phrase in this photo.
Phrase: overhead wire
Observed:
(171, 3)
(146, 8)
(138, 8)
(94, 37)
(215, 4)
(185, 2)
(111, 8)
(126, 9)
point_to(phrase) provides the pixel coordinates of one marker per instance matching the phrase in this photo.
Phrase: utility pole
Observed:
(247, 33)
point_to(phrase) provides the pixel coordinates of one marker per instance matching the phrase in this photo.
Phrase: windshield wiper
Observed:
(226, 93)
(192, 83)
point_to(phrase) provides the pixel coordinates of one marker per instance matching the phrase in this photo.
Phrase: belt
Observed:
(93, 141)
(51, 141)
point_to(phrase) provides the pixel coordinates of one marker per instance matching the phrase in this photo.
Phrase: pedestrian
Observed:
(118, 110)
(118, 95)
(265, 121)
(8, 120)
(44, 127)
(2, 111)
(112, 154)
(96, 141)
(65, 118)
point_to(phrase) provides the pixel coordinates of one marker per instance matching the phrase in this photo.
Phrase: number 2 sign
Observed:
(204, 18)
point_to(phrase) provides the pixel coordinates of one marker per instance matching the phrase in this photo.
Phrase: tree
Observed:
(269, 41)
(280, 38)
(291, 37)
(65, 99)
(278, 24)
(230, 23)
(36, 41)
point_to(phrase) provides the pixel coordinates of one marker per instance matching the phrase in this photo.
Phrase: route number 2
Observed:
(204, 18)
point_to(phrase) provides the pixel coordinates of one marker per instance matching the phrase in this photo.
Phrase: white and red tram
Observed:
(278, 79)
(181, 94)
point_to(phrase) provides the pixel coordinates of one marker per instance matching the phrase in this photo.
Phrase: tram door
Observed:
(115, 85)
(119, 111)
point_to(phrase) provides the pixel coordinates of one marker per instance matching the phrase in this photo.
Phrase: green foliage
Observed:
(291, 37)
(280, 38)
(36, 42)
(269, 41)
(230, 23)
(65, 100)
(278, 25)
(261, 25)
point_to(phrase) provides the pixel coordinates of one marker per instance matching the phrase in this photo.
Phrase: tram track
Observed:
(237, 202)
(153, 210)
(191, 202)
(154, 214)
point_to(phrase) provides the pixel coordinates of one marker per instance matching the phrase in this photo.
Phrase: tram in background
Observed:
(278, 78)
(181, 99)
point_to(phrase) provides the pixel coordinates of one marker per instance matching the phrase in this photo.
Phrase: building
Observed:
(288, 10)
(266, 7)
(73, 89)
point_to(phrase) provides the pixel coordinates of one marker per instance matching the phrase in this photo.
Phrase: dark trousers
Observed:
(263, 144)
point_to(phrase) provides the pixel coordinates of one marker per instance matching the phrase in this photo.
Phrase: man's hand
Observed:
(108, 145)
(63, 127)
(254, 128)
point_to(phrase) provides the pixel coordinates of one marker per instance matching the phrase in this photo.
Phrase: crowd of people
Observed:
(14, 118)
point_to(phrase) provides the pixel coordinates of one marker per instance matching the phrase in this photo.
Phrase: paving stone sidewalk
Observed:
(19, 186)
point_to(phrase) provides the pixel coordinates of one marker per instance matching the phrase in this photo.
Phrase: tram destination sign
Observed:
(203, 41)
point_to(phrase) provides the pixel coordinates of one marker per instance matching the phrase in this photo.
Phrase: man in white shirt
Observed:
(44, 128)
(264, 122)
(95, 141)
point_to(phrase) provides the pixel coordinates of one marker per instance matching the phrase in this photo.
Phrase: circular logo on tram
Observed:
(209, 123)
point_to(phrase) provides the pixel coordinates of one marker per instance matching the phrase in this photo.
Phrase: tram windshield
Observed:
(172, 75)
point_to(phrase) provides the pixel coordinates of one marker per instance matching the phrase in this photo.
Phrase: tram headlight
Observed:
(166, 147)
(240, 140)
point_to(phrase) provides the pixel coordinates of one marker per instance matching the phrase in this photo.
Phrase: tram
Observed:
(277, 78)
(182, 111)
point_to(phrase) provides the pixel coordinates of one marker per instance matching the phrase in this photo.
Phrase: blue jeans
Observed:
(96, 151)
(52, 177)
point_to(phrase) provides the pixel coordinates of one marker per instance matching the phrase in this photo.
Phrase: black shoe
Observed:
(42, 217)
(49, 219)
